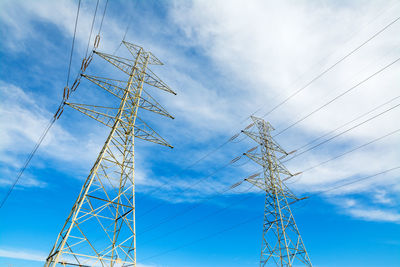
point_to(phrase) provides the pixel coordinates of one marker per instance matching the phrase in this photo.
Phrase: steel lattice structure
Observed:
(282, 244)
(100, 229)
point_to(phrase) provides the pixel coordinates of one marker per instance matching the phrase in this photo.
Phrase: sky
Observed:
(226, 60)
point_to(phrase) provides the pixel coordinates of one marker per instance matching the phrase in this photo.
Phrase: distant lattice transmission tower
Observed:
(100, 229)
(281, 243)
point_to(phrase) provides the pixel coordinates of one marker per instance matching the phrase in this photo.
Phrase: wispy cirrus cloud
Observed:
(23, 255)
(38, 256)
(365, 211)
(276, 48)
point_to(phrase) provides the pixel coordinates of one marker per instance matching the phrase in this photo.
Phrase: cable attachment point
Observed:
(66, 93)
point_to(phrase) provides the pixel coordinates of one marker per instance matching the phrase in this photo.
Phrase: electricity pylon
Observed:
(281, 243)
(100, 229)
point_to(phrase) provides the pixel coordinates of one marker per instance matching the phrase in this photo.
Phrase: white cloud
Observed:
(267, 44)
(20, 15)
(375, 214)
(23, 120)
(276, 47)
(382, 197)
(22, 254)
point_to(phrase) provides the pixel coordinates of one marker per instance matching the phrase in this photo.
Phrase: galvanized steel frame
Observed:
(100, 229)
(282, 244)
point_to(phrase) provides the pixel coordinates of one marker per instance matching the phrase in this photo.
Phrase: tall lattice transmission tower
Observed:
(100, 229)
(282, 244)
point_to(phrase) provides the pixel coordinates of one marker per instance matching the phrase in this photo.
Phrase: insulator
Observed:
(83, 64)
(76, 85)
(235, 159)
(96, 41)
(254, 175)
(297, 173)
(291, 152)
(249, 126)
(55, 115)
(88, 61)
(252, 149)
(65, 91)
(234, 137)
(236, 184)
(60, 114)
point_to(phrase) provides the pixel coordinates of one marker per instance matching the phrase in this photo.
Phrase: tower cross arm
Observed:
(134, 50)
(126, 66)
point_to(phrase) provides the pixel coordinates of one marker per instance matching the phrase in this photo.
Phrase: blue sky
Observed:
(225, 60)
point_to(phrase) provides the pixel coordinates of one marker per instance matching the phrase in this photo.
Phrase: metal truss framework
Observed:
(100, 229)
(282, 244)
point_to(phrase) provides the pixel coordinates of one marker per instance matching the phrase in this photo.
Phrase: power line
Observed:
(206, 237)
(202, 218)
(332, 66)
(259, 216)
(347, 123)
(341, 133)
(130, 19)
(337, 97)
(28, 160)
(324, 105)
(355, 181)
(73, 41)
(59, 111)
(102, 18)
(326, 57)
(211, 152)
(180, 213)
(309, 83)
(165, 183)
(298, 91)
(91, 28)
(352, 150)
